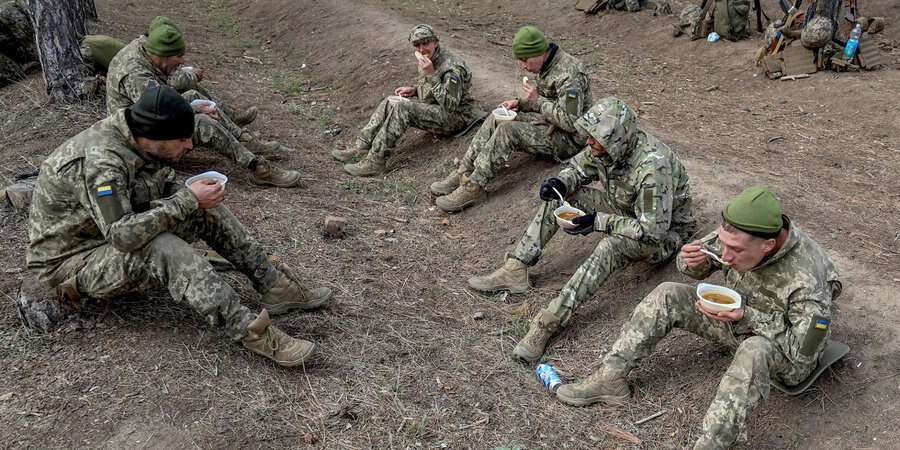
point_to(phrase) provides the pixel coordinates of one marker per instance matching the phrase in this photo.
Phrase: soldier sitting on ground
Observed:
(155, 59)
(641, 202)
(544, 124)
(108, 219)
(788, 285)
(444, 105)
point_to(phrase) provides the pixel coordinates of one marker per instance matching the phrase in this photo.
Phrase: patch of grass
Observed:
(327, 117)
(287, 86)
(519, 327)
(352, 186)
(417, 429)
(401, 190)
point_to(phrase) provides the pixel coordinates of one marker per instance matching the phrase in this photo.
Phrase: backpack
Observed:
(732, 19)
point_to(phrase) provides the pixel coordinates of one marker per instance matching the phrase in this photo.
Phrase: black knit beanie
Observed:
(161, 114)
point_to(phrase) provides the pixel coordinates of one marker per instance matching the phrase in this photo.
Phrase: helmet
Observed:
(817, 33)
(422, 33)
(612, 123)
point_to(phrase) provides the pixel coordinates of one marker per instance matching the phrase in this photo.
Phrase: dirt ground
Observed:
(404, 362)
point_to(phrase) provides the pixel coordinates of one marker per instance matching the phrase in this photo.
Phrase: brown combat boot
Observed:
(355, 152)
(267, 340)
(466, 195)
(265, 172)
(368, 167)
(287, 295)
(448, 184)
(512, 277)
(601, 386)
(245, 117)
(257, 145)
(543, 326)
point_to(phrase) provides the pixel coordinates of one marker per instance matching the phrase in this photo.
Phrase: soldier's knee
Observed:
(754, 346)
(167, 245)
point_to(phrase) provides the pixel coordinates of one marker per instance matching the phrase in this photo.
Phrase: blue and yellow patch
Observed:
(103, 191)
(822, 324)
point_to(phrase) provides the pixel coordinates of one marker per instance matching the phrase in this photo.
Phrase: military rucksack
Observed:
(732, 19)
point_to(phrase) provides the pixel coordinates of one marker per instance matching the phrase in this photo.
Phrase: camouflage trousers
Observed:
(745, 384)
(169, 261)
(220, 135)
(610, 254)
(390, 120)
(495, 142)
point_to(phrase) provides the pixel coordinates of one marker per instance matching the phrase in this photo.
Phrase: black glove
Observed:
(547, 186)
(584, 224)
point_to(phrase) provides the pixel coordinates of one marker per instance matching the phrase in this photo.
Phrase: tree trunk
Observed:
(90, 10)
(56, 27)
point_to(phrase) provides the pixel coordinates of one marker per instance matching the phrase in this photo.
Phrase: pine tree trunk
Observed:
(90, 10)
(57, 24)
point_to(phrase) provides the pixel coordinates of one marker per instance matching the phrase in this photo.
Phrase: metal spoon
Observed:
(561, 198)
(714, 256)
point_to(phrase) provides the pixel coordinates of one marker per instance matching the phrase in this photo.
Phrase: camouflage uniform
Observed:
(643, 203)
(444, 106)
(788, 309)
(107, 219)
(131, 71)
(544, 127)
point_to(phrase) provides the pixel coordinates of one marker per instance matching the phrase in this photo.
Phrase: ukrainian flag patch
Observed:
(822, 324)
(103, 191)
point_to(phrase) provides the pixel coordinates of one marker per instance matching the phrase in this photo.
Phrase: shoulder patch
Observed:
(109, 204)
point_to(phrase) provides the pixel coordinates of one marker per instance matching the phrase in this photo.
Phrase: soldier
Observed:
(788, 285)
(543, 126)
(109, 219)
(155, 59)
(643, 206)
(444, 106)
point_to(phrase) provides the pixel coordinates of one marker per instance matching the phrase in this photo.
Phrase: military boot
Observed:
(265, 172)
(466, 195)
(287, 295)
(601, 386)
(448, 184)
(543, 326)
(512, 277)
(368, 167)
(267, 340)
(355, 152)
(245, 117)
(258, 145)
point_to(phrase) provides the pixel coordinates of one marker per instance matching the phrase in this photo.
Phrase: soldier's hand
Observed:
(512, 105)
(546, 192)
(426, 65)
(530, 91)
(209, 193)
(734, 315)
(691, 255)
(584, 225)
(405, 91)
(199, 72)
(210, 111)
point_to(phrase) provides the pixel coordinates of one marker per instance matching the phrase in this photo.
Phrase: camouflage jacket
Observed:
(564, 92)
(648, 188)
(130, 72)
(450, 86)
(789, 298)
(97, 188)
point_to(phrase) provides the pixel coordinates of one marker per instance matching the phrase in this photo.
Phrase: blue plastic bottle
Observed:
(852, 43)
(548, 376)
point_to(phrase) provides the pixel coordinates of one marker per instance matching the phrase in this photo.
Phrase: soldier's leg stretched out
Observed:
(226, 235)
(210, 133)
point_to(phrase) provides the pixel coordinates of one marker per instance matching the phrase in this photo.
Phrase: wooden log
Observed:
(56, 31)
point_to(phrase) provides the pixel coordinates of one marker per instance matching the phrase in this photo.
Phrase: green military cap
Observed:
(422, 33)
(161, 20)
(755, 211)
(528, 42)
(165, 40)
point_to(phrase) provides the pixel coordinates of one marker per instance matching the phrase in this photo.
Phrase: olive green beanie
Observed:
(529, 42)
(165, 40)
(161, 20)
(755, 211)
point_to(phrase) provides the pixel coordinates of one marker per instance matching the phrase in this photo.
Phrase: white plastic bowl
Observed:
(504, 115)
(563, 222)
(220, 178)
(203, 102)
(397, 99)
(704, 288)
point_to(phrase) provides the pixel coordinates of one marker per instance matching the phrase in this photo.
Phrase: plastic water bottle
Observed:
(548, 376)
(852, 43)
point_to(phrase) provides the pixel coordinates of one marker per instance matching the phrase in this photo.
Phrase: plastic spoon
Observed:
(714, 256)
(563, 200)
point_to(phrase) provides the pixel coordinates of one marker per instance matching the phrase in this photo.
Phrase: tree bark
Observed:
(90, 10)
(57, 25)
